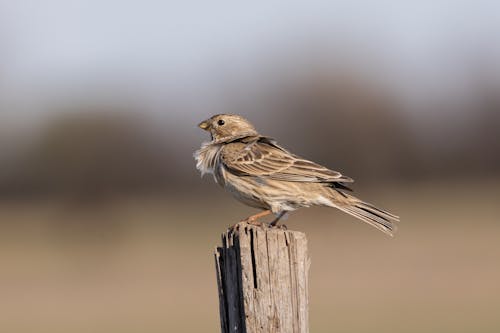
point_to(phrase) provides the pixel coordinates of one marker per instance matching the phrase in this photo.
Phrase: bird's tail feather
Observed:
(376, 217)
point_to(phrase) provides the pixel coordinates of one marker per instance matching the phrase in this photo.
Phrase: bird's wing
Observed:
(264, 158)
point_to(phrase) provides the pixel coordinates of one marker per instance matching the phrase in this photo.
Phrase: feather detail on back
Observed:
(262, 157)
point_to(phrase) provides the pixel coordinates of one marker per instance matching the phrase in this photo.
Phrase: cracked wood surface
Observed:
(262, 280)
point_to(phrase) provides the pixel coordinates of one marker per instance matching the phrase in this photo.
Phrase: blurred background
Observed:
(106, 226)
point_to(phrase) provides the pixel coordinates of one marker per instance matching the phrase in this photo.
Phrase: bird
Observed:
(262, 174)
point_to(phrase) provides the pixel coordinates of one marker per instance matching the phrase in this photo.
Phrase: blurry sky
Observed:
(161, 50)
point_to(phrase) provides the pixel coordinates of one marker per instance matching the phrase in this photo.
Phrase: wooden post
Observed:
(262, 280)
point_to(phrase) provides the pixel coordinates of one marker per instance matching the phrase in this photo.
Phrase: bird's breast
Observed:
(206, 157)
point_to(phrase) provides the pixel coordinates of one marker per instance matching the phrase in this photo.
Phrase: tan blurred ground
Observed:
(151, 268)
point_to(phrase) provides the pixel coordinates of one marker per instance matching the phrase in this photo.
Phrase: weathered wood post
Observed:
(262, 277)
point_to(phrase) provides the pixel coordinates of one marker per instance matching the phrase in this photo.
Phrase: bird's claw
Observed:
(257, 223)
(277, 226)
(254, 222)
(250, 221)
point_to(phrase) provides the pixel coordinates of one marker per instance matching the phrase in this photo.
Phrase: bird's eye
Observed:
(221, 122)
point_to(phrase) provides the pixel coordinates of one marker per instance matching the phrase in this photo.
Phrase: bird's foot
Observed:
(275, 222)
(257, 223)
(254, 222)
(254, 219)
(277, 226)
(248, 220)
(281, 226)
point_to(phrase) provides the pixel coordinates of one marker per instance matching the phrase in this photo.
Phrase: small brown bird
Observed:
(262, 174)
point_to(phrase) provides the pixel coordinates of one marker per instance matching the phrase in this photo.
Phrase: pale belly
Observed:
(245, 191)
(277, 196)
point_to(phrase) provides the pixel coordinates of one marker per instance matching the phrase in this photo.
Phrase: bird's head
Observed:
(227, 126)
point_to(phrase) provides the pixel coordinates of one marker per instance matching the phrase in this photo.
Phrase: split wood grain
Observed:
(262, 279)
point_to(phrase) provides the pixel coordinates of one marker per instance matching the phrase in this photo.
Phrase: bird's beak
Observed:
(204, 125)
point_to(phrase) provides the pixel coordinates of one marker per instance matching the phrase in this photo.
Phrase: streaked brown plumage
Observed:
(262, 174)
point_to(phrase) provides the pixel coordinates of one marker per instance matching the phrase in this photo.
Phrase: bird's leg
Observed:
(274, 223)
(253, 219)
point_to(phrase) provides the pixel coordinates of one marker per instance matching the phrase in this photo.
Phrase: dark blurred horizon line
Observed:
(348, 123)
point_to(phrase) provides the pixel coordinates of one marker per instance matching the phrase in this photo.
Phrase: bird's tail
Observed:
(380, 219)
